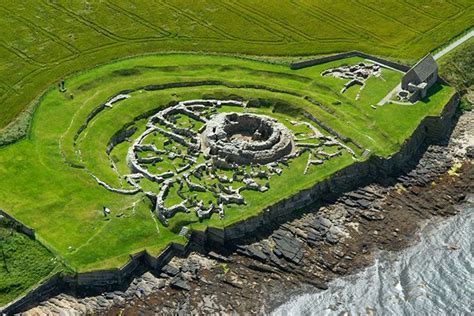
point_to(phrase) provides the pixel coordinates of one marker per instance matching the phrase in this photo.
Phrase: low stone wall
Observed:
(99, 281)
(96, 111)
(330, 130)
(326, 59)
(50, 287)
(119, 136)
(19, 226)
(107, 280)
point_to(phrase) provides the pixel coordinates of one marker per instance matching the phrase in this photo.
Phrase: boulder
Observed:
(170, 270)
(180, 284)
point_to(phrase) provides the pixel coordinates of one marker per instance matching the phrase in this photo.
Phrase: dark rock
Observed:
(350, 203)
(290, 248)
(330, 238)
(277, 253)
(372, 192)
(470, 152)
(119, 293)
(191, 267)
(279, 233)
(102, 302)
(242, 251)
(364, 203)
(324, 221)
(274, 259)
(318, 226)
(317, 283)
(217, 257)
(315, 237)
(356, 195)
(261, 267)
(350, 212)
(256, 253)
(170, 270)
(180, 284)
(403, 179)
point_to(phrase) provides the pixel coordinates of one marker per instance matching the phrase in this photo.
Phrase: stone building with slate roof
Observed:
(420, 78)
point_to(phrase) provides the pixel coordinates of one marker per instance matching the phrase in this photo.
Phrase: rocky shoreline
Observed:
(333, 239)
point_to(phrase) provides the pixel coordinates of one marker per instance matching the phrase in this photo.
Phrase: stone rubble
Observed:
(228, 141)
(357, 74)
(115, 99)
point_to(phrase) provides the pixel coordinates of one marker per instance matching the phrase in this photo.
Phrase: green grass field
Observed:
(43, 41)
(23, 263)
(46, 181)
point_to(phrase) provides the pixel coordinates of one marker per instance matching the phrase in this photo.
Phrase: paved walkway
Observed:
(453, 45)
(389, 95)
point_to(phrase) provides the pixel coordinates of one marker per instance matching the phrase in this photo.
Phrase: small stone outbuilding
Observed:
(420, 78)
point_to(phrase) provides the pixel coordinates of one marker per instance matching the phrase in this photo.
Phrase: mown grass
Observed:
(44, 41)
(23, 263)
(45, 178)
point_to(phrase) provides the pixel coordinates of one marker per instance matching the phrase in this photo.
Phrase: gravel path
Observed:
(453, 45)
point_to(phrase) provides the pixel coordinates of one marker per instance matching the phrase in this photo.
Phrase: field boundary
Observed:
(19, 226)
(432, 129)
(453, 39)
(326, 59)
(456, 41)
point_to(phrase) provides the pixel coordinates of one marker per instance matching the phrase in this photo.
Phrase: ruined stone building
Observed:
(420, 78)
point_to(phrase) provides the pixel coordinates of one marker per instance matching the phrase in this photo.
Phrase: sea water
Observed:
(432, 277)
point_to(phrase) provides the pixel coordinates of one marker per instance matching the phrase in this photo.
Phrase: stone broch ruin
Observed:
(246, 138)
(215, 156)
(219, 154)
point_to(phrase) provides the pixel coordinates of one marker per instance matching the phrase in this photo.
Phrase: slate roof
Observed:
(425, 67)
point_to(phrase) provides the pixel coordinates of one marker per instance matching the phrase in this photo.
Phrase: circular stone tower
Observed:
(244, 138)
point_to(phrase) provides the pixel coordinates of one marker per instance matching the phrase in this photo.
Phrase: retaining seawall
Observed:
(432, 129)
